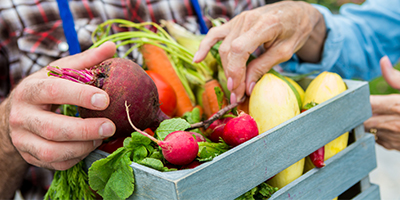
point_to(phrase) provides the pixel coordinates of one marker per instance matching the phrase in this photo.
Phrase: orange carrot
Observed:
(156, 59)
(244, 107)
(211, 98)
(200, 109)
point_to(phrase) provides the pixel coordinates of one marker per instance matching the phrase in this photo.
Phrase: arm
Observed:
(12, 166)
(356, 39)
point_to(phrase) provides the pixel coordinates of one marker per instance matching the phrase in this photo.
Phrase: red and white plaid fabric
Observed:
(31, 36)
(31, 30)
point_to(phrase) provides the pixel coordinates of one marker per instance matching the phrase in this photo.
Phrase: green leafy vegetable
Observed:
(220, 96)
(170, 125)
(112, 177)
(262, 191)
(71, 183)
(210, 150)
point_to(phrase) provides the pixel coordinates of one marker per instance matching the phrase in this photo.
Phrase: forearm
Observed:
(12, 166)
(312, 49)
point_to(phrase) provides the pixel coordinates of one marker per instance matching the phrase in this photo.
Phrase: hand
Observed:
(46, 139)
(386, 110)
(282, 28)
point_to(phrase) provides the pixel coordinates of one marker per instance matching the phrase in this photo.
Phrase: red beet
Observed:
(123, 80)
(239, 130)
(216, 129)
(178, 148)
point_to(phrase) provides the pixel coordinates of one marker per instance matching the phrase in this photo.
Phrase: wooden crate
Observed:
(251, 163)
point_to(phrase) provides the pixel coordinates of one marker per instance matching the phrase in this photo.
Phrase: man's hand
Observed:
(50, 140)
(282, 28)
(386, 110)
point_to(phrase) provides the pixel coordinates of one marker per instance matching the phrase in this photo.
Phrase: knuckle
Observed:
(32, 90)
(238, 46)
(85, 132)
(52, 90)
(223, 49)
(286, 52)
(47, 155)
(14, 119)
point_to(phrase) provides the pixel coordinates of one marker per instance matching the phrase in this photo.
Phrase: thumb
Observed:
(391, 75)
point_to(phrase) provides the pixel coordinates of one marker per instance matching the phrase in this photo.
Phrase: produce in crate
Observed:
(239, 129)
(178, 147)
(273, 102)
(325, 86)
(123, 80)
(216, 129)
(166, 94)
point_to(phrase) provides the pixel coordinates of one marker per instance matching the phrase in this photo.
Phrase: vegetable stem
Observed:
(205, 124)
(136, 129)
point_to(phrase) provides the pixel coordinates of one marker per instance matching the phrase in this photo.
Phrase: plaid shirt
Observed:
(32, 36)
(31, 32)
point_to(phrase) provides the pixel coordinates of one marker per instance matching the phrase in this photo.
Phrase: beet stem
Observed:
(79, 76)
(206, 123)
(136, 129)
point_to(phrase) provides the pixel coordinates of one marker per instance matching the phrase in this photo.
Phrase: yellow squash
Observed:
(273, 102)
(325, 86)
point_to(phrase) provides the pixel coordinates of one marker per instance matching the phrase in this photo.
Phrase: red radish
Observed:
(178, 148)
(240, 129)
(191, 165)
(317, 157)
(123, 80)
(112, 145)
(198, 137)
(216, 129)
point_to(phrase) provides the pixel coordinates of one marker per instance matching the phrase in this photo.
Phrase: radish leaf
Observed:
(170, 125)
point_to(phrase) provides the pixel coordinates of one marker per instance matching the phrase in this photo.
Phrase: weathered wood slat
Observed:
(247, 165)
(340, 173)
(372, 193)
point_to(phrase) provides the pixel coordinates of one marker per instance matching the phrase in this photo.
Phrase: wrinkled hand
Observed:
(386, 110)
(50, 140)
(282, 28)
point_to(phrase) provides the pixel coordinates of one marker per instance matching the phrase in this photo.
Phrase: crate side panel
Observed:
(340, 173)
(372, 193)
(253, 162)
(148, 186)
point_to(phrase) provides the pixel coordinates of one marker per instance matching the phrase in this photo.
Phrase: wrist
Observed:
(12, 165)
(312, 49)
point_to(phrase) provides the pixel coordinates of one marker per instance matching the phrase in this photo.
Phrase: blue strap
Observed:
(197, 10)
(69, 27)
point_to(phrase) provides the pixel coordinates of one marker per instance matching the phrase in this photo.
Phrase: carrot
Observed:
(200, 109)
(244, 107)
(210, 100)
(156, 59)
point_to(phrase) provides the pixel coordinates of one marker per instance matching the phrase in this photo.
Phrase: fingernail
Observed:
(107, 129)
(252, 84)
(195, 57)
(229, 84)
(233, 98)
(97, 143)
(99, 100)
